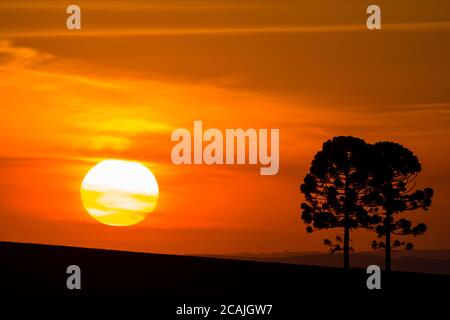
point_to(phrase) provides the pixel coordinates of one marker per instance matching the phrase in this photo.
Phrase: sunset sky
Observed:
(140, 69)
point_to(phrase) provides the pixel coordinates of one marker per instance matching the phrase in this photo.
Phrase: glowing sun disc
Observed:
(119, 192)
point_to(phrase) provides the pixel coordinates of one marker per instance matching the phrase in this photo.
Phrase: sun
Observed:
(119, 192)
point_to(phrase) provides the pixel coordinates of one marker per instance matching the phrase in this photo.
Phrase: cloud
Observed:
(14, 56)
(136, 5)
(51, 106)
(178, 32)
(26, 60)
(56, 109)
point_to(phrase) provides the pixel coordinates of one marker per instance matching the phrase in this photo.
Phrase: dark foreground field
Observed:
(163, 282)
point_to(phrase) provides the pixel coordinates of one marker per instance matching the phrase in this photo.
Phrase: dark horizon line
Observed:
(303, 253)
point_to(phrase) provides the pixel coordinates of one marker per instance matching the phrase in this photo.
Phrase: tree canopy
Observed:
(353, 184)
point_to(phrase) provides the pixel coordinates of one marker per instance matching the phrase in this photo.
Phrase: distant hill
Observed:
(423, 261)
(162, 282)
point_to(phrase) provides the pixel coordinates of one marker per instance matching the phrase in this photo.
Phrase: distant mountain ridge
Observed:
(423, 261)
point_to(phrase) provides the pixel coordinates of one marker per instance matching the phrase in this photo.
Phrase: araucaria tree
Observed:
(394, 169)
(335, 189)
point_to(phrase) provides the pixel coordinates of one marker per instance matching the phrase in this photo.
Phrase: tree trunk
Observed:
(387, 250)
(346, 245)
(346, 225)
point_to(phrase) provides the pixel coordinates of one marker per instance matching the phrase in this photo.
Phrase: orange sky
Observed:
(138, 70)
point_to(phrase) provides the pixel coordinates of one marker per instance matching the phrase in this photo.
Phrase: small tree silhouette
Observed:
(394, 169)
(335, 189)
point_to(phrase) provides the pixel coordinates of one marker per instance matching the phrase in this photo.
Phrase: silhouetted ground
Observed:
(163, 282)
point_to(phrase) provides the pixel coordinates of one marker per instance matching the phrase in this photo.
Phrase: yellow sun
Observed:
(119, 193)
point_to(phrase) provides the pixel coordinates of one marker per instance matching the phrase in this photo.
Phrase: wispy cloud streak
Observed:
(417, 26)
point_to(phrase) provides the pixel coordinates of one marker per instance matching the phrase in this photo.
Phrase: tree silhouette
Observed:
(335, 190)
(394, 170)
